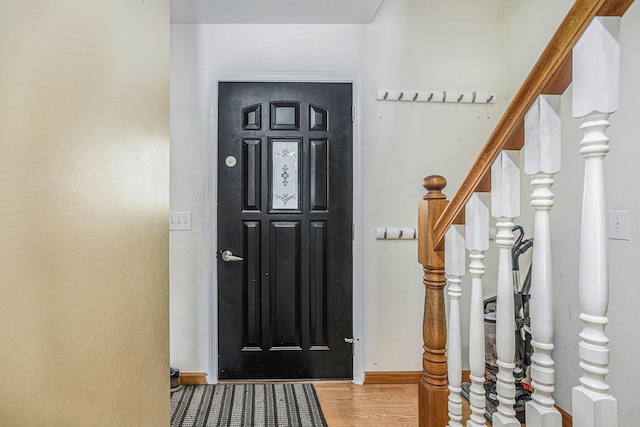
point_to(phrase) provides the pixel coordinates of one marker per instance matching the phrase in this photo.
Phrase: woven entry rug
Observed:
(230, 405)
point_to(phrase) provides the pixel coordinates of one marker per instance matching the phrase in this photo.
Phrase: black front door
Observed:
(284, 230)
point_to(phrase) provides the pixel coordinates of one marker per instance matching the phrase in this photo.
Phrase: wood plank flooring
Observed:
(350, 405)
(369, 405)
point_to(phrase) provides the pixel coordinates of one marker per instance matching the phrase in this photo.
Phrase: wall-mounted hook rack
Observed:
(440, 96)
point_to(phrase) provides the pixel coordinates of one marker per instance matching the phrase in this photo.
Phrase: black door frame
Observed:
(358, 207)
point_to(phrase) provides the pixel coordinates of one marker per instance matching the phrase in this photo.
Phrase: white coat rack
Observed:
(441, 96)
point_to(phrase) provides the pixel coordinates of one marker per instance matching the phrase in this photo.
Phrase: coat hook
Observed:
(386, 94)
(490, 98)
(415, 96)
(400, 96)
(460, 97)
(444, 96)
(473, 98)
(430, 97)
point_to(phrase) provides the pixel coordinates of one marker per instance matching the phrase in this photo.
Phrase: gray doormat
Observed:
(243, 405)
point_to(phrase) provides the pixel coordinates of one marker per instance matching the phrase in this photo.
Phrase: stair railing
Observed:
(585, 50)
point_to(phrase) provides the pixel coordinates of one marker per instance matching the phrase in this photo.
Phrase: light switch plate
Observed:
(618, 225)
(179, 221)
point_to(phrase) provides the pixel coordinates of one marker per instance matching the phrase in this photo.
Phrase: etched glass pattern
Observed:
(285, 175)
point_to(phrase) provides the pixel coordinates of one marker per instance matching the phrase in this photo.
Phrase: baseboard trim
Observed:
(392, 377)
(193, 378)
(400, 377)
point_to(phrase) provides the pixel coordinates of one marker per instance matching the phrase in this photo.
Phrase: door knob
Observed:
(228, 256)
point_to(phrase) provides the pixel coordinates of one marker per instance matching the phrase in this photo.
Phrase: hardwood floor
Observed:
(349, 405)
(371, 405)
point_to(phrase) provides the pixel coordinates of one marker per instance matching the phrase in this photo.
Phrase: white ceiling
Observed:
(273, 11)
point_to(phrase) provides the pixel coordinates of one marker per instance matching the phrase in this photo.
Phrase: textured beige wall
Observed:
(83, 206)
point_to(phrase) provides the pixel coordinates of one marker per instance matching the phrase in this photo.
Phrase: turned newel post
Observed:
(433, 391)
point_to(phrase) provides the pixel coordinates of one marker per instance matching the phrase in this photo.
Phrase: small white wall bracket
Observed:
(394, 233)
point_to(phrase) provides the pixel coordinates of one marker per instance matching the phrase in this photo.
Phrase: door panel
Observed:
(318, 284)
(251, 178)
(284, 267)
(285, 207)
(252, 289)
(319, 174)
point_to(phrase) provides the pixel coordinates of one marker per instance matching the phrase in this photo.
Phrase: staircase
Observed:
(584, 51)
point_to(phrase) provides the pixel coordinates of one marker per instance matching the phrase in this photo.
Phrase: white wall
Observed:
(410, 45)
(527, 31)
(418, 45)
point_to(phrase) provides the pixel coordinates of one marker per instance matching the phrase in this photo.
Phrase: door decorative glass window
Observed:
(284, 177)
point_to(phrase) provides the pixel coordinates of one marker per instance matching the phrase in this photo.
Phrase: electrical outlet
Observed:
(179, 221)
(618, 226)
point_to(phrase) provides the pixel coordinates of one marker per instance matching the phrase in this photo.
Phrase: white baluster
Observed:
(454, 257)
(596, 70)
(505, 206)
(542, 161)
(477, 232)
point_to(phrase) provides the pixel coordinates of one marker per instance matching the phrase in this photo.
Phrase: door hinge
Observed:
(352, 341)
(353, 232)
(353, 114)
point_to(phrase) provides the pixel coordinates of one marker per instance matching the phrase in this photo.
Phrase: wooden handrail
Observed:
(549, 75)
